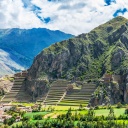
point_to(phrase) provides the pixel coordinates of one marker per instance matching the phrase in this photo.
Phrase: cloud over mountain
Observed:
(70, 16)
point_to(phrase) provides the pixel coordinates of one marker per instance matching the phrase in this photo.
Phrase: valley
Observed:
(18, 47)
(74, 83)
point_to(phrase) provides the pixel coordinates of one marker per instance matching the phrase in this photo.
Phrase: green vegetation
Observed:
(23, 104)
(31, 115)
(69, 117)
(105, 112)
(76, 119)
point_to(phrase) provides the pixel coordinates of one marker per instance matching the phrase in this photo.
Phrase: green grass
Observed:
(17, 123)
(24, 104)
(62, 108)
(31, 114)
(105, 112)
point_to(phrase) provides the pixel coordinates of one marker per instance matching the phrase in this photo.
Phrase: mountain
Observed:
(85, 57)
(20, 46)
(7, 64)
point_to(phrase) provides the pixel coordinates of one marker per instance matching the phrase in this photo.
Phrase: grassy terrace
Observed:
(77, 97)
(17, 92)
(55, 93)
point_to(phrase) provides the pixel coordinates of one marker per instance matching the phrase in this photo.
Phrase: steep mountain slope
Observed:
(7, 64)
(87, 56)
(22, 45)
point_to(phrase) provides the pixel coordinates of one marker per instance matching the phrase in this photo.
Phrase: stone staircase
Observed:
(17, 92)
(55, 93)
(77, 97)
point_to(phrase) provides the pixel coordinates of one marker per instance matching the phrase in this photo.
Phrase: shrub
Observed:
(26, 118)
(126, 111)
(10, 121)
(80, 107)
(37, 117)
(70, 88)
(96, 107)
(123, 117)
(119, 105)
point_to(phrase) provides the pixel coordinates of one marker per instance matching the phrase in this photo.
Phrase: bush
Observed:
(70, 88)
(126, 111)
(26, 118)
(119, 105)
(96, 107)
(89, 81)
(10, 121)
(123, 117)
(80, 107)
(37, 117)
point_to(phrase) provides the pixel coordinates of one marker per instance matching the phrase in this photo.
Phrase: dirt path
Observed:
(48, 115)
(55, 116)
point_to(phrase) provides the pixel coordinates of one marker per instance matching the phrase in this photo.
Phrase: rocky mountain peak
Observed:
(86, 56)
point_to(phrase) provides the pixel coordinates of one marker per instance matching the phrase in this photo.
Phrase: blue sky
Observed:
(70, 16)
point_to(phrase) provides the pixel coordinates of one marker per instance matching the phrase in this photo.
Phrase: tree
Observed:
(39, 107)
(38, 117)
(69, 113)
(111, 114)
(126, 111)
(10, 121)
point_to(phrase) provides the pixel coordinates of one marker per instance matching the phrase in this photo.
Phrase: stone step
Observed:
(58, 89)
(87, 91)
(75, 101)
(17, 86)
(71, 104)
(56, 93)
(10, 96)
(51, 100)
(55, 96)
(40, 101)
(19, 79)
(5, 102)
(18, 83)
(79, 94)
(76, 98)
(50, 104)
(14, 93)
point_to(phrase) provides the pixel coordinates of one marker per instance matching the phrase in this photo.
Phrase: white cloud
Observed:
(70, 16)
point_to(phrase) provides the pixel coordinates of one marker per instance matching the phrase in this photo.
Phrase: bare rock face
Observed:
(108, 93)
(126, 91)
(117, 34)
(117, 57)
(37, 88)
(111, 93)
(56, 65)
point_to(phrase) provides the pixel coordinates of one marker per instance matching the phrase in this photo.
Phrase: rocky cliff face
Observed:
(81, 56)
(112, 92)
(85, 57)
